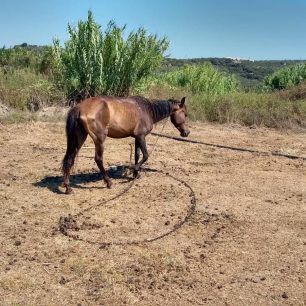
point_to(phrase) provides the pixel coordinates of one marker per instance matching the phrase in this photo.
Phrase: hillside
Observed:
(250, 73)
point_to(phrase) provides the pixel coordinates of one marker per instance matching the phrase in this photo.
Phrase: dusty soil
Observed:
(244, 245)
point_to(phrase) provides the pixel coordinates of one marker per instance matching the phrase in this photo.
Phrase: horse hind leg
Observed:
(99, 144)
(80, 136)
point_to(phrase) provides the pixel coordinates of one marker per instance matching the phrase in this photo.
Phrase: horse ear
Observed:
(182, 103)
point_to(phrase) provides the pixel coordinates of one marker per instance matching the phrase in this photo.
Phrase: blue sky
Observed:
(255, 29)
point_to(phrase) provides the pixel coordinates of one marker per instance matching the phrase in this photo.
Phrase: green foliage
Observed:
(20, 57)
(250, 108)
(286, 77)
(47, 64)
(282, 109)
(250, 74)
(202, 78)
(93, 62)
(24, 89)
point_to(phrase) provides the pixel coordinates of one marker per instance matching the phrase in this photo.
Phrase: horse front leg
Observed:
(140, 142)
(99, 161)
(137, 155)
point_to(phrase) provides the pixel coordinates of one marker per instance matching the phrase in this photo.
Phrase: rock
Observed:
(17, 243)
(4, 110)
(63, 280)
(33, 105)
(285, 295)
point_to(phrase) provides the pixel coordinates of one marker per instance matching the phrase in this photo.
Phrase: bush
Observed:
(281, 109)
(294, 93)
(286, 77)
(202, 78)
(94, 63)
(23, 89)
(20, 58)
(248, 109)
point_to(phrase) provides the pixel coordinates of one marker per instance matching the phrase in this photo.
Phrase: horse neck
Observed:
(161, 110)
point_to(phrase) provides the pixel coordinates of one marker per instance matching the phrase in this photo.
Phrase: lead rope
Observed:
(154, 145)
(163, 127)
(66, 224)
(69, 223)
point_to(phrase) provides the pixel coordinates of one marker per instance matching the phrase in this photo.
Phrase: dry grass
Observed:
(293, 93)
(273, 110)
(244, 246)
(23, 89)
(46, 114)
(249, 109)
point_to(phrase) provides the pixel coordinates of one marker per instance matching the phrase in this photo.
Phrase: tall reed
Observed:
(94, 62)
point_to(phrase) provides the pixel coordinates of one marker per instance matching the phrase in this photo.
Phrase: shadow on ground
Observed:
(78, 180)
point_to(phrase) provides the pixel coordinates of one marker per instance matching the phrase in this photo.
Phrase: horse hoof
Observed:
(109, 185)
(68, 190)
(136, 175)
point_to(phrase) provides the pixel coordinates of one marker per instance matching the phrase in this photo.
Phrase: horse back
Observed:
(115, 117)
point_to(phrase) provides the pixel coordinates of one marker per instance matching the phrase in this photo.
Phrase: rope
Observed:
(274, 153)
(66, 224)
(160, 133)
(154, 145)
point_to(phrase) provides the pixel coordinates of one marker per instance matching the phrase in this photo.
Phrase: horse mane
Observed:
(157, 109)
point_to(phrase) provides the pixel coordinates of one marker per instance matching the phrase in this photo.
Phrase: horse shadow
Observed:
(53, 183)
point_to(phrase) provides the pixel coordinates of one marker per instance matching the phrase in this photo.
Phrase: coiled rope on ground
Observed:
(69, 223)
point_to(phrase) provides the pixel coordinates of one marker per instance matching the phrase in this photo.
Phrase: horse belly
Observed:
(119, 132)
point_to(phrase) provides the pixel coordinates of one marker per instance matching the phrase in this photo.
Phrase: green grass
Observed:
(281, 109)
(245, 108)
(286, 77)
(18, 116)
(199, 79)
(249, 109)
(23, 89)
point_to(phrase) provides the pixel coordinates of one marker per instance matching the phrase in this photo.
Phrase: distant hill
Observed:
(249, 73)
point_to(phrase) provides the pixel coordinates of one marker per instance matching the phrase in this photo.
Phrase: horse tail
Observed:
(73, 126)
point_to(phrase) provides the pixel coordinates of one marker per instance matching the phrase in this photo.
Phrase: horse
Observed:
(117, 117)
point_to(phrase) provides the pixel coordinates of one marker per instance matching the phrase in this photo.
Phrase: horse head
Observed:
(179, 115)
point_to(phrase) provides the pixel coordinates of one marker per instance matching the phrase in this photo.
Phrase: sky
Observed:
(251, 29)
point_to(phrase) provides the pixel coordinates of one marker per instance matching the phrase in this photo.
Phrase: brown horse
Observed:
(117, 118)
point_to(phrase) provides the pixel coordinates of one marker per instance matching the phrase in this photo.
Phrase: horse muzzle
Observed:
(185, 133)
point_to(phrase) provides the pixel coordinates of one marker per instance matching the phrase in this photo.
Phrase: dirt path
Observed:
(245, 245)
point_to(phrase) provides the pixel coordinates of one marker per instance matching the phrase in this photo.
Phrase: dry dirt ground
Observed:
(244, 245)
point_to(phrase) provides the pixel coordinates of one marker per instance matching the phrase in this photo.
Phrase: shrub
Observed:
(265, 109)
(23, 89)
(20, 57)
(294, 93)
(94, 62)
(202, 78)
(286, 77)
